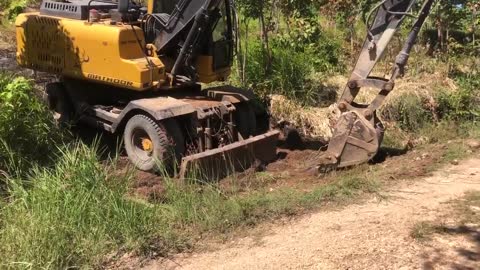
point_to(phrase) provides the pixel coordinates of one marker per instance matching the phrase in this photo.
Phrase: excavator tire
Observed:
(245, 120)
(153, 146)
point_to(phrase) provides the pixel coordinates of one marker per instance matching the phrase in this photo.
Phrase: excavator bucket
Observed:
(358, 133)
(356, 140)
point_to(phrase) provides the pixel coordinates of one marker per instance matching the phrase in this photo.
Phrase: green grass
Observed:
(72, 215)
(27, 128)
(208, 208)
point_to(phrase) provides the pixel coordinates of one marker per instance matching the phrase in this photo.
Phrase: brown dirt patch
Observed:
(149, 186)
(291, 171)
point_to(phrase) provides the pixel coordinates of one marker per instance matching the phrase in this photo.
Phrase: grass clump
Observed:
(423, 231)
(72, 215)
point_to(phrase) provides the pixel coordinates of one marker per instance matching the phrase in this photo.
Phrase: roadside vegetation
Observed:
(63, 204)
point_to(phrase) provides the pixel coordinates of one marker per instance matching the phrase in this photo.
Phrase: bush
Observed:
(463, 104)
(413, 112)
(72, 215)
(292, 69)
(27, 129)
(408, 111)
(13, 8)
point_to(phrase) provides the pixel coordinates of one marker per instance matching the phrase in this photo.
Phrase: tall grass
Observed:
(297, 66)
(72, 215)
(79, 212)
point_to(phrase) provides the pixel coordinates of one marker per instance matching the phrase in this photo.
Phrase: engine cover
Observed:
(103, 51)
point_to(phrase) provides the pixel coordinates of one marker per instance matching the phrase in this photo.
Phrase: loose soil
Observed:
(372, 235)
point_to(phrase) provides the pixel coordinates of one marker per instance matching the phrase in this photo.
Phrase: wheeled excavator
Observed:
(138, 71)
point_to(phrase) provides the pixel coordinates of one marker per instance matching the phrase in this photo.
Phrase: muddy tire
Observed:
(153, 146)
(59, 103)
(245, 120)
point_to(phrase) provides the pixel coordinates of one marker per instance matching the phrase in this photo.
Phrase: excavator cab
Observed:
(208, 53)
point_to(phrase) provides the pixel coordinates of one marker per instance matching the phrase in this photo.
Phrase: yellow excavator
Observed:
(135, 70)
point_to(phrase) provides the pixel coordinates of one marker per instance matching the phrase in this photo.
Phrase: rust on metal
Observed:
(220, 162)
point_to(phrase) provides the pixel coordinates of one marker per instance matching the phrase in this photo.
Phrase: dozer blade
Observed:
(355, 140)
(220, 162)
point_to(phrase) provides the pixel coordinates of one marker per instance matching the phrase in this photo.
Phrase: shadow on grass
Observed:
(110, 145)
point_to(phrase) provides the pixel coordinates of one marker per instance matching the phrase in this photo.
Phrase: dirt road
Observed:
(373, 235)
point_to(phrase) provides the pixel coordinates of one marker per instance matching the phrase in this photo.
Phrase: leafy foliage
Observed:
(463, 104)
(27, 129)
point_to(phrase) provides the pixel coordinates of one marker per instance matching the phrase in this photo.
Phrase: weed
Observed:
(408, 111)
(423, 231)
(395, 138)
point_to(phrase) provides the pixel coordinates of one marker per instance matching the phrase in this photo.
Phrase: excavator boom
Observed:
(358, 133)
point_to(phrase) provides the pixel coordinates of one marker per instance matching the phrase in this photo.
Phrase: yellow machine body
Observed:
(101, 51)
(205, 71)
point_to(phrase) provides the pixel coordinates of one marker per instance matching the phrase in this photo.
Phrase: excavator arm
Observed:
(358, 133)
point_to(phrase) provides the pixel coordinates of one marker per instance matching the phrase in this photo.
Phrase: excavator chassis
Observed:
(206, 157)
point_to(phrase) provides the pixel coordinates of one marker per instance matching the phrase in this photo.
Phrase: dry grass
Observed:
(311, 121)
(317, 122)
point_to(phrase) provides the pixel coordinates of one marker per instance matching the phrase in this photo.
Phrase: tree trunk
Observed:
(265, 43)
(439, 33)
(244, 66)
(239, 47)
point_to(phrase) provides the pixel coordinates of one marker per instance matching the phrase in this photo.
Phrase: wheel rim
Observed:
(143, 146)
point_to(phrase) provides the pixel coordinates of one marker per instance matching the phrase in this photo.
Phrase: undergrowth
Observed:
(27, 129)
(297, 69)
(412, 112)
